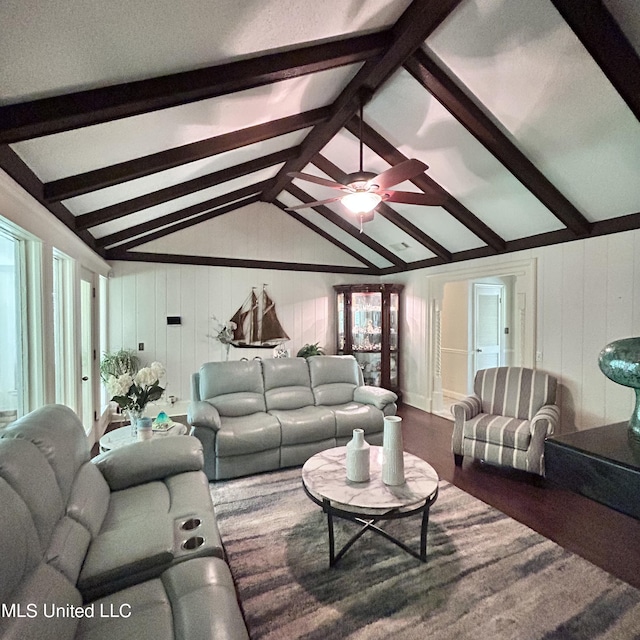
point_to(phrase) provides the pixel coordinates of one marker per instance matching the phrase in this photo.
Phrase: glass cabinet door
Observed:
(341, 322)
(366, 321)
(394, 305)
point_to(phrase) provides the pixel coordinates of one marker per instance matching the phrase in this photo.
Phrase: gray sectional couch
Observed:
(124, 546)
(260, 415)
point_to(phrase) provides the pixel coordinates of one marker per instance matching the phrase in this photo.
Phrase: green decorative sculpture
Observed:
(620, 362)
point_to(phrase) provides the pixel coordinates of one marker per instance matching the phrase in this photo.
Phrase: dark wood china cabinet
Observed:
(368, 326)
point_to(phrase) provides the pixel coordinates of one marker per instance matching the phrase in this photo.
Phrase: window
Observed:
(63, 329)
(12, 373)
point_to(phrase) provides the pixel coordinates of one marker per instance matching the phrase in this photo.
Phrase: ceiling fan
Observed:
(364, 190)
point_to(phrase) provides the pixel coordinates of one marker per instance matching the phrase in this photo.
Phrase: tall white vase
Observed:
(358, 457)
(392, 453)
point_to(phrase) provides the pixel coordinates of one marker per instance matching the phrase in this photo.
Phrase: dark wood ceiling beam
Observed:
(321, 232)
(139, 167)
(390, 154)
(94, 106)
(409, 32)
(161, 233)
(20, 172)
(121, 209)
(340, 222)
(608, 46)
(234, 263)
(387, 212)
(177, 216)
(442, 87)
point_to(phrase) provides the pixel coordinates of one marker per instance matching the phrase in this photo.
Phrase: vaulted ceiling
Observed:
(150, 125)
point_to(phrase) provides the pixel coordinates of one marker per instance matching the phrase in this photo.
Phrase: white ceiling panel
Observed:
(422, 128)
(81, 44)
(259, 231)
(181, 203)
(72, 152)
(527, 67)
(162, 179)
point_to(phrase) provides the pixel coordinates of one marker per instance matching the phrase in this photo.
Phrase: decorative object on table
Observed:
(392, 452)
(620, 362)
(223, 333)
(358, 457)
(132, 393)
(310, 350)
(256, 323)
(145, 431)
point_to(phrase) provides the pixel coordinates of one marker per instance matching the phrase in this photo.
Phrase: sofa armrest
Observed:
(463, 410)
(545, 420)
(201, 413)
(150, 460)
(376, 396)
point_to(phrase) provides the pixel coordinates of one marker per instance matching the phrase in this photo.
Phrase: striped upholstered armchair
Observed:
(507, 419)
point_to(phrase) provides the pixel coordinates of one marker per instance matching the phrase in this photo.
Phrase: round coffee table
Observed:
(324, 479)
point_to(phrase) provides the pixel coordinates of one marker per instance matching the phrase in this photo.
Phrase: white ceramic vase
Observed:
(358, 457)
(392, 452)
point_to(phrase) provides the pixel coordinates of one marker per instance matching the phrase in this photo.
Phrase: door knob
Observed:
(479, 350)
(85, 378)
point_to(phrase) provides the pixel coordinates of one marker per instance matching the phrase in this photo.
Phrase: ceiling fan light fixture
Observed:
(361, 201)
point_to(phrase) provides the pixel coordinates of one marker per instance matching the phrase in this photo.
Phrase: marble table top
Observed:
(325, 476)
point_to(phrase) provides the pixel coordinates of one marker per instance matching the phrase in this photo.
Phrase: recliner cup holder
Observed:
(193, 543)
(191, 524)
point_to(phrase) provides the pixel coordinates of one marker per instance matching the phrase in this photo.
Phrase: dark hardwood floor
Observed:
(603, 536)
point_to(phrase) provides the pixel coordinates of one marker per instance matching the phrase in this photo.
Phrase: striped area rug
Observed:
(486, 577)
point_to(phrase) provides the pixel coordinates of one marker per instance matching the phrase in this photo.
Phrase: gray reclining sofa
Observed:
(130, 538)
(260, 415)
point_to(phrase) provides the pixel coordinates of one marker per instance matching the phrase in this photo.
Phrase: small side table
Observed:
(122, 436)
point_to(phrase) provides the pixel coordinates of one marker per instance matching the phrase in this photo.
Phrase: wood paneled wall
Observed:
(142, 295)
(588, 294)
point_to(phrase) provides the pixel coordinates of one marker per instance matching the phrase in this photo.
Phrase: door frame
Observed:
(88, 276)
(524, 305)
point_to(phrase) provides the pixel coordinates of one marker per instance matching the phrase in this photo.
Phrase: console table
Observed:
(601, 463)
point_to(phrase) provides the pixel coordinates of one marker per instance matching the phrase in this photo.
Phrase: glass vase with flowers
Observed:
(132, 392)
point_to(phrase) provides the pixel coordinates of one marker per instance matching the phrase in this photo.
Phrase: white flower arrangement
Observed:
(134, 391)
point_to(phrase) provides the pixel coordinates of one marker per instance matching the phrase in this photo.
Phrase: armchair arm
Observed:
(154, 459)
(201, 413)
(545, 421)
(376, 396)
(463, 410)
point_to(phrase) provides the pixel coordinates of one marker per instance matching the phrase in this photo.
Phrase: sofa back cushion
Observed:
(65, 517)
(516, 392)
(233, 388)
(333, 379)
(59, 435)
(287, 383)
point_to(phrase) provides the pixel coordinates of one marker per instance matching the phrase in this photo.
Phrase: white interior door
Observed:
(488, 322)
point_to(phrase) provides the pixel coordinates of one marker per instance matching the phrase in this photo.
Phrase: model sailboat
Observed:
(257, 324)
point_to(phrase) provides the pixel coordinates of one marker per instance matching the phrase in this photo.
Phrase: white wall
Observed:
(588, 294)
(142, 295)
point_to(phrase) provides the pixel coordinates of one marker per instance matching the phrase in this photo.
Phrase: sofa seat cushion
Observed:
(504, 431)
(195, 599)
(141, 534)
(309, 424)
(247, 434)
(353, 415)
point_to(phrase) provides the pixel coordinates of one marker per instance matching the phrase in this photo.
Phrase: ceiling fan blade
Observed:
(409, 197)
(401, 172)
(311, 178)
(312, 204)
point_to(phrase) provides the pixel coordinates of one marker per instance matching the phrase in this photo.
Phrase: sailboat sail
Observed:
(257, 323)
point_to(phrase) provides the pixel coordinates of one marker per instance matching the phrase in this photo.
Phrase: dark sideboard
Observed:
(602, 464)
